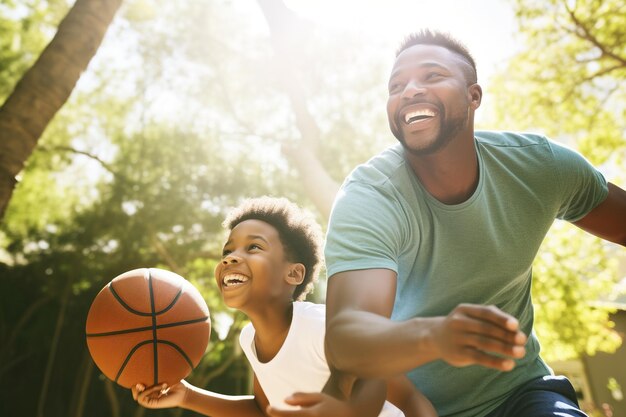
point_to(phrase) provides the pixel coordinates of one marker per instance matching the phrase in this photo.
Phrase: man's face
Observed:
(429, 98)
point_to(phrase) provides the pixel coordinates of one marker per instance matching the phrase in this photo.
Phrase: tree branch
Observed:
(589, 78)
(588, 36)
(61, 148)
(165, 255)
(288, 38)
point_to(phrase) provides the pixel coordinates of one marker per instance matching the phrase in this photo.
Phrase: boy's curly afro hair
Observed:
(300, 234)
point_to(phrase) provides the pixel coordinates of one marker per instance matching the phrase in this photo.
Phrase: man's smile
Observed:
(418, 113)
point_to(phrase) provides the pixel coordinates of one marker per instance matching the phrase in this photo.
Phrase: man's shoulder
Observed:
(380, 168)
(509, 139)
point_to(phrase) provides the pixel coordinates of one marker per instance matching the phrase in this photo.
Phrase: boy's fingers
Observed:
(304, 399)
(136, 390)
(147, 392)
(281, 412)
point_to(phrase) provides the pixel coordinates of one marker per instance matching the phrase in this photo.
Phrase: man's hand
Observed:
(478, 335)
(313, 405)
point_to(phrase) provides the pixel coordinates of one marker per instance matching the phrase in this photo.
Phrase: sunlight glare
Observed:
(485, 26)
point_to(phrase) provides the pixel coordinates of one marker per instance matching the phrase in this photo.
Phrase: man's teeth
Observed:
(417, 115)
(234, 279)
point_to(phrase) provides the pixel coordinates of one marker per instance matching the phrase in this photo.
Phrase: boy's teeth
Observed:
(232, 279)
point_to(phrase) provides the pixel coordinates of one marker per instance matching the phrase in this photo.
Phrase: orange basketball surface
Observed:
(148, 326)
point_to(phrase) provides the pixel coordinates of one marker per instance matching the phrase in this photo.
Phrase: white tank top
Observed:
(300, 365)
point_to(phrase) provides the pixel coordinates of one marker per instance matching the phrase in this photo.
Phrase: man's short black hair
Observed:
(299, 233)
(445, 40)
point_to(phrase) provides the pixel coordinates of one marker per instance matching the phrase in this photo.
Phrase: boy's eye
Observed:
(253, 246)
(394, 87)
(225, 252)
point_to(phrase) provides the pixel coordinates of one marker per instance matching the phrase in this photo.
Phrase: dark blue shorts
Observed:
(542, 397)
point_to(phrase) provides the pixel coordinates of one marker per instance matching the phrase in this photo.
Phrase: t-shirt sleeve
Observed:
(582, 186)
(364, 230)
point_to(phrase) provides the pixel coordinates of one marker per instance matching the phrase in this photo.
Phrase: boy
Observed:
(269, 263)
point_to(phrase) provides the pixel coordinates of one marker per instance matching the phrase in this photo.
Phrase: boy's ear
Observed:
(295, 276)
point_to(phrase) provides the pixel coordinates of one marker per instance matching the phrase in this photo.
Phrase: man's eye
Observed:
(432, 75)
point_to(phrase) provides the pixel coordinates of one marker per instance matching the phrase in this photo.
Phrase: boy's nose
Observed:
(230, 259)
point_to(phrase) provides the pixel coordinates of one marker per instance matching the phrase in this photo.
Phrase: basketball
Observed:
(148, 326)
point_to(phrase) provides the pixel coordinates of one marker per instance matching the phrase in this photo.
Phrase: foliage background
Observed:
(182, 114)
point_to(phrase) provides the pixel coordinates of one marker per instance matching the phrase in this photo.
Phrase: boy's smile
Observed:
(234, 280)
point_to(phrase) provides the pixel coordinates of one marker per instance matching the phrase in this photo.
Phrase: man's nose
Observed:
(413, 88)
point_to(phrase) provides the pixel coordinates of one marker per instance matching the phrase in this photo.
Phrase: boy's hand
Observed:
(313, 405)
(160, 396)
(479, 335)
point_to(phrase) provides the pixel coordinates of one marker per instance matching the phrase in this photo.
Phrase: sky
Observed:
(487, 27)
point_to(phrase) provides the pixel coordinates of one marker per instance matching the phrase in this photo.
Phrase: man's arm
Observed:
(608, 219)
(363, 341)
(402, 393)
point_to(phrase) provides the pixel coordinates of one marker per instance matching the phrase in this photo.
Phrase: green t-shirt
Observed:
(479, 251)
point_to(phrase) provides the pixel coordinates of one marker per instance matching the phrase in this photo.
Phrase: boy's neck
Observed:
(271, 329)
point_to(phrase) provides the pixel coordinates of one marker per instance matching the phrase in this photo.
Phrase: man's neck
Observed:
(451, 174)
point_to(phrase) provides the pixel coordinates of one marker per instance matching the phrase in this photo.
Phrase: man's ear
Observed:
(295, 276)
(476, 95)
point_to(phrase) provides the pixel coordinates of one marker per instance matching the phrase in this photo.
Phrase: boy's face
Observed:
(253, 271)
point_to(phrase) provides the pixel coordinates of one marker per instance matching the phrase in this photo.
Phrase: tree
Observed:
(160, 190)
(566, 82)
(181, 122)
(46, 86)
(290, 36)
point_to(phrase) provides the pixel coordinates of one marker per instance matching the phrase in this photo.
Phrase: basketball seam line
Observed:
(141, 313)
(141, 329)
(154, 331)
(145, 342)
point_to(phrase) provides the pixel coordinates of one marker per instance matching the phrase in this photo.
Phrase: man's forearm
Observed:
(368, 396)
(372, 346)
(369, 345)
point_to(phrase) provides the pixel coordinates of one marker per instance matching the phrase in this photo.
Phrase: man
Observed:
(430, 245)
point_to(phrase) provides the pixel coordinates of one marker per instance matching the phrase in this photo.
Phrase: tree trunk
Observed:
(288, 33)
(47, 85)
(54, 345)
